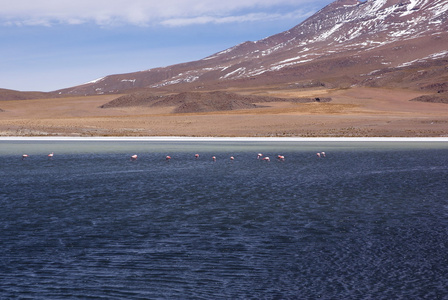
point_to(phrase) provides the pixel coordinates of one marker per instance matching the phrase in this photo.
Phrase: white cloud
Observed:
(141, 12)
(233, 19)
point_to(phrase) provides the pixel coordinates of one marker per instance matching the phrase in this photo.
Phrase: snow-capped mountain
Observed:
(376, 42)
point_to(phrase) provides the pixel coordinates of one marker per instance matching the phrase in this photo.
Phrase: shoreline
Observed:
(227, 139)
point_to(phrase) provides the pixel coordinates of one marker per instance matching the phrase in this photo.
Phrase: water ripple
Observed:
(364, 225)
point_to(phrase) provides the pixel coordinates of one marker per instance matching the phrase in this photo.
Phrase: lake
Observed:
(367, 221)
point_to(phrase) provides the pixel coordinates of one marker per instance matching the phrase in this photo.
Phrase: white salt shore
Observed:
(230, 139)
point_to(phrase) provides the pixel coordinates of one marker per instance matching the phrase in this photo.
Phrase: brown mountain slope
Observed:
(6, 94)
(347, 43)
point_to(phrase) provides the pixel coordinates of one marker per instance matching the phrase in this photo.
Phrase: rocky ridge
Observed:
(196, 102)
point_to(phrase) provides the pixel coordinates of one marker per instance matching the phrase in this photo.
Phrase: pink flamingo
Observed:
(25, 156)
(168, 158)
(214, 158)
(232, 158)
(259, 155)
(266, 158)
(134, 157)
(196, 156)
(281, 157)
(323, 154)
(318, 154)
(50, 156)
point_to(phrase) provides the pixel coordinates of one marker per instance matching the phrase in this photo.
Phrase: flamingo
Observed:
(214, 158)
(281, 157)
(259, 155)
(168, 158)
(232, 158)
(196, 156)
(50, 156)
(266, 158)
(323, 154)
(25, 156)
(134, 157)
(318, 154)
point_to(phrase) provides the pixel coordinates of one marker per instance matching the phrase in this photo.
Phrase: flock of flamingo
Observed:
(196, 156)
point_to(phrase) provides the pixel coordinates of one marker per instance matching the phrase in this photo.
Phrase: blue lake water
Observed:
(368, 221)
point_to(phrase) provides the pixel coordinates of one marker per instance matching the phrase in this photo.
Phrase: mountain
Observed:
(6, 94)
(402, 43)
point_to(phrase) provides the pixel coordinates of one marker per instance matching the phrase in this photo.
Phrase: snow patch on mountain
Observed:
(238, 72)
(96, 80)
(425, 59)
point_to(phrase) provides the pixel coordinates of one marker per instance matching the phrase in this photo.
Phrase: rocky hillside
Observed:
(194, 102)
(434, 98)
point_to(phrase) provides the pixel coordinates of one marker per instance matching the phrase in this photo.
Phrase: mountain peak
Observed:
(345, 39)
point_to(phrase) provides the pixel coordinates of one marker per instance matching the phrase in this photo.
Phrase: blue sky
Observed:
(52, 44)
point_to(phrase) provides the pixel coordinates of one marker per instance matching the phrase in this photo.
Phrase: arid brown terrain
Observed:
(352, 112)
(353, 69)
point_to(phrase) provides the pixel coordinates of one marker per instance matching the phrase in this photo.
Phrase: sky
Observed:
(46, 45)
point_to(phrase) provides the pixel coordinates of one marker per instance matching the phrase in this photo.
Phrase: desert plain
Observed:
(352, 112)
